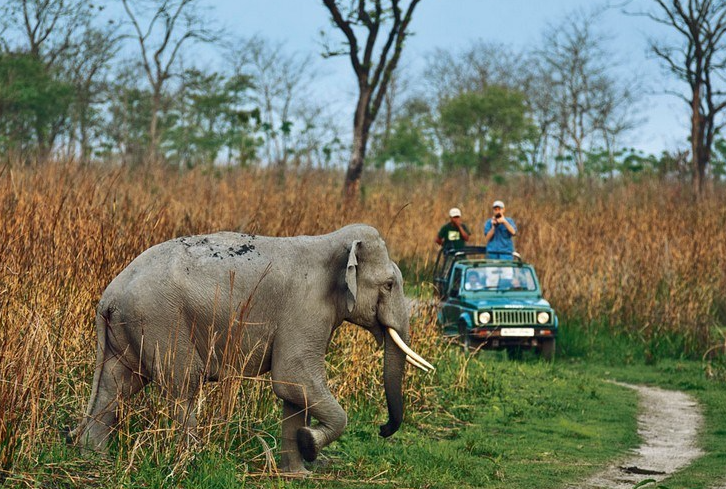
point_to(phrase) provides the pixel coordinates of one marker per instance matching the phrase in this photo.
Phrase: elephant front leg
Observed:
(332, 421)
(293, 419)
(311, 396)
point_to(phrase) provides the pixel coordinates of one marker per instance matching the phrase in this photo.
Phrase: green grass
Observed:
(487, 422)
(496, 424)
(483, 421)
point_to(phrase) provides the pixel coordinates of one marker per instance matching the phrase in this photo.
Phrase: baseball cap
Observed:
(454, 212)
(498, 203)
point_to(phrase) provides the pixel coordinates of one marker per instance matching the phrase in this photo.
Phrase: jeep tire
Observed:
(547, 349)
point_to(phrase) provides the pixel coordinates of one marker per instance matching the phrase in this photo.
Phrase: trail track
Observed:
(668, 425)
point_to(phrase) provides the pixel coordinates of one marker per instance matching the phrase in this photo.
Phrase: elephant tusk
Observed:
(416, 364)
(408, 351)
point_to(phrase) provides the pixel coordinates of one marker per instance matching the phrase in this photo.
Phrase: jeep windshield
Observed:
(499, 278)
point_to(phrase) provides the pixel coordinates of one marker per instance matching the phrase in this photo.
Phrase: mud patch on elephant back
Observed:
(204, 246)
(242, 250)
(190, 241)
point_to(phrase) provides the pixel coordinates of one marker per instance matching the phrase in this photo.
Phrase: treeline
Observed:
(130, 87)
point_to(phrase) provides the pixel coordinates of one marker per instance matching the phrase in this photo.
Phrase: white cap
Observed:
(498, 203)
(454, 212)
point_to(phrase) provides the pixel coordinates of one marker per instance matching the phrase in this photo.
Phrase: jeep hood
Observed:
(510, 303)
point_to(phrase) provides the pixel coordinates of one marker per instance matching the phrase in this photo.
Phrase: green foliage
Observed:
(408, 146)
(484, 421)
(208, 114)
(207, 117)
(718, 158)
(130, 114)
(485, 131)
(33, 102)
(409, 143)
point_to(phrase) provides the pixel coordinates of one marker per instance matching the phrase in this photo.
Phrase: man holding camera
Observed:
(454, 233)
(498, 233)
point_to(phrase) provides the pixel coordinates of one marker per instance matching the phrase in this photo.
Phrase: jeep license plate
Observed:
(517, 332)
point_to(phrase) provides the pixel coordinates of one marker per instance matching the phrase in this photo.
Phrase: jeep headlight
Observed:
(485, 317)
(543, 317)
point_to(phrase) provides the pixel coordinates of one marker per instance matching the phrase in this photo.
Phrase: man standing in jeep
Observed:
(498, 233)
(454, 233)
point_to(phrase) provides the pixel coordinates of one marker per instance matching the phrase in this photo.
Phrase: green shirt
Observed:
(452, 236)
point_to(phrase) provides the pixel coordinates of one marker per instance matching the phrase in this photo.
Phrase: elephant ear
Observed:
(350, 276)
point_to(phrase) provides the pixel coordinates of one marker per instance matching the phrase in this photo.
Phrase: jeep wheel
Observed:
(547, 349)
(464, 339)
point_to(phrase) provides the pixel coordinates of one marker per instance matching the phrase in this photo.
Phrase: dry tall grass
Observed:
(636, 258)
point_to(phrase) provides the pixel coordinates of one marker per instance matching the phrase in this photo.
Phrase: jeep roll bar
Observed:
(446, 258)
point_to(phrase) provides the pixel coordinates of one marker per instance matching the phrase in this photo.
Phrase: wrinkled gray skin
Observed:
(198, 308)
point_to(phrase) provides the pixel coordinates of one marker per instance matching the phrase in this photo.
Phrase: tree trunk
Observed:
(84, 142)
(700, 170)
(355, 166)
(152, 152)
(698, 166)
(43, 150)
(484, 169)
(361, 127)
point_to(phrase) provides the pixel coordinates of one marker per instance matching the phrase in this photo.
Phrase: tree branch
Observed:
(344, 26)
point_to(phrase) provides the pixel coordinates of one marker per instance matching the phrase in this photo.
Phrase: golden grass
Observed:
(636, 258)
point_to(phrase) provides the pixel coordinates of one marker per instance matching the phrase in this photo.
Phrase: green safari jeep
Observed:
(494, 304)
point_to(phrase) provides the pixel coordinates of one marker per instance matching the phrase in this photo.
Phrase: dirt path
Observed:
(668, 425)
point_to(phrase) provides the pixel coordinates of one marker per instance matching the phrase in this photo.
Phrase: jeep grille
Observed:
(514, 317)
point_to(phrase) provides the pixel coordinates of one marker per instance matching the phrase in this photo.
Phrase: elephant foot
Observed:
(307, 444)
(294, 472)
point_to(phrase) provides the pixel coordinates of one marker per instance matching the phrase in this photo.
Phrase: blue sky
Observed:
(453, 24)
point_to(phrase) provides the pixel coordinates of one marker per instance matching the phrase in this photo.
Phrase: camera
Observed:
(497, 215)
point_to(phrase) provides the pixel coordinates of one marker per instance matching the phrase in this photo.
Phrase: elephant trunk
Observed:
(394, 362)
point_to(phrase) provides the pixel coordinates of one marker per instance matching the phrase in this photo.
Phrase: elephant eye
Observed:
(388, 285)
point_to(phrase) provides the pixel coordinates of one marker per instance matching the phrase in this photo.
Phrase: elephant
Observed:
(198, 308)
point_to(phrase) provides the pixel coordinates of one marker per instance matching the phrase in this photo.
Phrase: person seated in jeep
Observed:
(472, 281)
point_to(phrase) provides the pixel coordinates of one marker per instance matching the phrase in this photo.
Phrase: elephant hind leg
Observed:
(112, 381)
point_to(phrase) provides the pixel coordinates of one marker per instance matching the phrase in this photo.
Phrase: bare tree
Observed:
(88, 68)
(479, 65)
(373, 76)
(172, 24)
(280, 79)
(48, 27)
(591, 106)
(699, 60)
